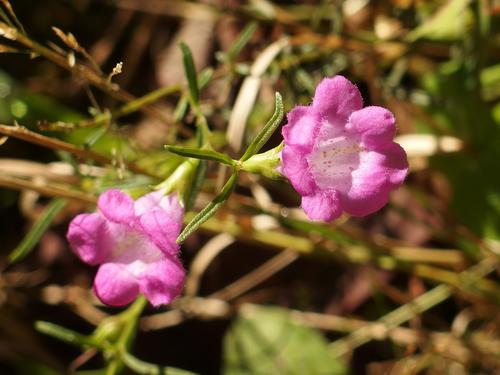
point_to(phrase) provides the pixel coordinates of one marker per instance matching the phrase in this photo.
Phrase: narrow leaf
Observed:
(142, 367)
(209, 209)
(242, 40)
(190, 71)
(199, 153)
(181, 108)
(182, 105)
(37, 230)
(196, 182)
(204, 77)
(199, 174)
(64, 334)
(266, 132)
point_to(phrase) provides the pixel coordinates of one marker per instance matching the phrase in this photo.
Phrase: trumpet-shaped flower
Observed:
(134, 244)
(340, 156)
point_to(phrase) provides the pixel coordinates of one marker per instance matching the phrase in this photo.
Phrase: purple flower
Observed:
(340, 156)
(134, 244)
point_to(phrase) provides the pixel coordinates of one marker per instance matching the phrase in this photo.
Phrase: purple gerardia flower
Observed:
(340, 156)
(134, 244)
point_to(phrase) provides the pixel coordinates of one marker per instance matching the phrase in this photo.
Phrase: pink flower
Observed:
(134, 244)
(340, 156)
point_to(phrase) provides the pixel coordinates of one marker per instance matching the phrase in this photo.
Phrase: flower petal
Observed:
(302, 127)
(324, 205)
(296, 169)
(161, 230)
(157, 200)
(336, 98)
(116, 206)
(89, 238)
(162, 281)
(379, 172)
(114, 285)
(375, 124)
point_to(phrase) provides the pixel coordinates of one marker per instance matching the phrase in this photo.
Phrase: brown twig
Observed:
(47, 190)
(24, 134)
(80, 70)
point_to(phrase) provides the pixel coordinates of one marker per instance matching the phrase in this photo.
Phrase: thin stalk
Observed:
(407, 312)
(124, 341)
(24, 134)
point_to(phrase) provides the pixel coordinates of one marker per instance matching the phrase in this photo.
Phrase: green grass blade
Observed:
(190, 71)
(242, 40)
(37, 230)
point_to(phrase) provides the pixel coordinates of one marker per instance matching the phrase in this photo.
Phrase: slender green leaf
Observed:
(266, 132)
(190, 71)
(64, 334)
(182, 105)
(204, 77)
(241, 41)
(142, 367)
(202, 134)
(196, 182)
(181, 108)
(199, 153)
(209, 209)
(38, 229)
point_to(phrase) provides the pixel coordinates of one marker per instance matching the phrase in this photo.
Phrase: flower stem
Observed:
(126, 337)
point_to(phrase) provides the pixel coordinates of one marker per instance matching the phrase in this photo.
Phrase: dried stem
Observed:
(47, 190)
(24, 134)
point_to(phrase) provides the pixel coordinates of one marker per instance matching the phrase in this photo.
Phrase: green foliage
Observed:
(266, 340)
(190, 71)
(447, 23)
(260, 140)
(459, 106)
(37, 230)
(210, 209)
(203, 154)
(433, 63)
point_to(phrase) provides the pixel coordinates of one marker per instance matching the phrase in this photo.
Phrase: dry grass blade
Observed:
(247, 95)
(203, 259)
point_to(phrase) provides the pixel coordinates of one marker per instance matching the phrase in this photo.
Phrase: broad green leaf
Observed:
(265, 340)
(199, 153)
(209, 209)
(448, 23)
(37, 230)
(268, 130)
(190, 71)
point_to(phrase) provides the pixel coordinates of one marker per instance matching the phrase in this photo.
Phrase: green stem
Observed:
(124, 341)
(177, 180)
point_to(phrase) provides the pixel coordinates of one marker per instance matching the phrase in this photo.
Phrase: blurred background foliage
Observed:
(411, 289)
